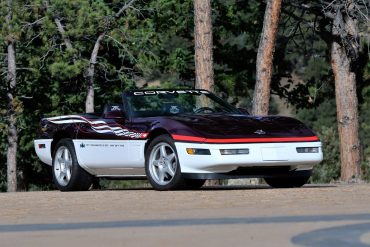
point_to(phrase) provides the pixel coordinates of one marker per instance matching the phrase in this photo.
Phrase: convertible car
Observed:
(176, 139)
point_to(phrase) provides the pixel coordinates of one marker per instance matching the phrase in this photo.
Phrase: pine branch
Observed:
(124, 7)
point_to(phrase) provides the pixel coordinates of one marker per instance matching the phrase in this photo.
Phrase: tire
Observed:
(287, 182)
(67, 173)
(193, 184)
(162, 165)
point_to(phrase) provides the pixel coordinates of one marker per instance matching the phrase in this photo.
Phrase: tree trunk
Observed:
(62, 32)
(90, 75)
(60, 28)
(346, 98)
(203, 53)
(261, 96)
(203, 45)
(11, 113)
(89, 104)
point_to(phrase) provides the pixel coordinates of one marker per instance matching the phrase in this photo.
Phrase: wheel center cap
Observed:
(163, 162)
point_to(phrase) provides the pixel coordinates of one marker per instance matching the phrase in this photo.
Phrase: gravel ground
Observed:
(318, 215)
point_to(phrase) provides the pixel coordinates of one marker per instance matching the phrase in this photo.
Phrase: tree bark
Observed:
(62, 32)
(89, 104)
(203, 45)
(11, 113)
(346, 98)
(261, 96)
(60, 27)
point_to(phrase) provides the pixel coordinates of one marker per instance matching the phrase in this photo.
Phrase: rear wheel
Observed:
(162, 166)
(67, 173)
(287, 182)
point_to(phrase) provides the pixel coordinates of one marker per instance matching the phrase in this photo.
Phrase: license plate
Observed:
(275, 154)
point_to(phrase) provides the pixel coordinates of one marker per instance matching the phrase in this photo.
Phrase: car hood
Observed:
(241, 126)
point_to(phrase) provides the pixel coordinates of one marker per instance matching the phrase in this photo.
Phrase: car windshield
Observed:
(174, 102)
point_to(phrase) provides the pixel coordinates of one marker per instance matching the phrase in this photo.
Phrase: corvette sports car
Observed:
(176, 139)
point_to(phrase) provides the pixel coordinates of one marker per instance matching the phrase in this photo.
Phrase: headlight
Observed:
(198, 151)
(234, 151)
(307, 150)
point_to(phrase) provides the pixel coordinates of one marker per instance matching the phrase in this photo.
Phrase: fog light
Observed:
(234, 151)
(198, 151)
(307, 150)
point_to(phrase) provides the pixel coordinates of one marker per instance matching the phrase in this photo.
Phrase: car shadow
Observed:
(259, 187)
(224, 187)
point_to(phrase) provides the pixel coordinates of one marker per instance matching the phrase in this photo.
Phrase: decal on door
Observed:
(98, 126)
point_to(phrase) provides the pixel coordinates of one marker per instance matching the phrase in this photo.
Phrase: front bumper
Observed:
(260, 155)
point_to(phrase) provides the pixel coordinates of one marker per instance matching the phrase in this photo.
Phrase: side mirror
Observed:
(113, 111)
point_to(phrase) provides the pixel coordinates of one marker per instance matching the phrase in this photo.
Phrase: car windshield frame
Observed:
(175, 102)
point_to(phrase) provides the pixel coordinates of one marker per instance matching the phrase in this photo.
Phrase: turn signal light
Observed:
(307, 150)
(198, 151)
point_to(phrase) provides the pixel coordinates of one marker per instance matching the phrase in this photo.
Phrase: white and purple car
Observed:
(176, 139)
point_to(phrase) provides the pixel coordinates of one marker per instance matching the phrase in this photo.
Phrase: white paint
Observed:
(275, 154)
(260, 154)
(130, 154)
(44, 154)
(93, 154)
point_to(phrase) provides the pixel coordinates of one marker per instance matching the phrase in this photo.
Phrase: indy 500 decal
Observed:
(98, 126)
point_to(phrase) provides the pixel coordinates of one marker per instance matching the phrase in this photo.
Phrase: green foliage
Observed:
(329, 169)
(236, 29)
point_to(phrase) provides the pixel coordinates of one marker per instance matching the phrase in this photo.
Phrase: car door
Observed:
(107, 142)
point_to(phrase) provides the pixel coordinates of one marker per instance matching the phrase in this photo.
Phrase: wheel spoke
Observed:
(170, 157)
(68, 174)
(155, 163)
(161, 175)
(66, 154)
(62, 175)
(170, 171)
(163, 151)
(68, 164)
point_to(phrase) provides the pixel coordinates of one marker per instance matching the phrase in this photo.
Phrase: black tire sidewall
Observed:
(177, 181)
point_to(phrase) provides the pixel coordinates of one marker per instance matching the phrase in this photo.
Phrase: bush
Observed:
(329, 169)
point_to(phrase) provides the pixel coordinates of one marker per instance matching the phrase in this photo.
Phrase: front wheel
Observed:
(162, 166)
(287, 182)
(67, 173)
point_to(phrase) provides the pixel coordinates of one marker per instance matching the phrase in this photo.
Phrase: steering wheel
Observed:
(204, 110)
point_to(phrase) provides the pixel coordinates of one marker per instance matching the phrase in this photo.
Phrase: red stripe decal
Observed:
(245, 140)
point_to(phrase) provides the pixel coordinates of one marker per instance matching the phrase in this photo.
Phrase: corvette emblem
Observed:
(174, 109)
(115, 108)
(260, 132)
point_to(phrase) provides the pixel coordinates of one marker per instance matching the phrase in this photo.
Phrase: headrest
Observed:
(113, 111)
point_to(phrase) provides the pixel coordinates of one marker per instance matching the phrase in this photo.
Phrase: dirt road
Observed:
(327, 215)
